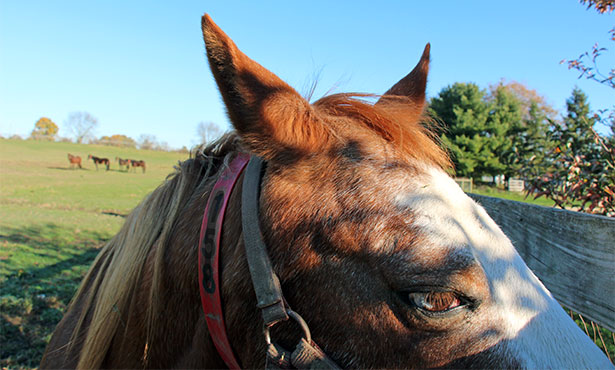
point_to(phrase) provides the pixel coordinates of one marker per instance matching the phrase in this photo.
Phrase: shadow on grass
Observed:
(68, 169)
(87, 169)
(115, 214)
(44, 268)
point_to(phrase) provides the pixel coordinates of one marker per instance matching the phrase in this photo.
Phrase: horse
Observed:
(137, 163)
(123, 163)
(381, 259)
(74, 161)
(98, 160)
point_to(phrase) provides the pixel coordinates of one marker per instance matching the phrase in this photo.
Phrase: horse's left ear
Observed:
(268, 114)
(412, 86)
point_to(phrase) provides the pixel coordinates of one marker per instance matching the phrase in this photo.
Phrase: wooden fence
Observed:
(464, 183)
(572, 253)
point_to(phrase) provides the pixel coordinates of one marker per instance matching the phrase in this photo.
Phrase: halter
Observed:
(270, 299)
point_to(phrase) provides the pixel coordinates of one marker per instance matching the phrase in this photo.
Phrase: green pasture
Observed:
(53, 219)
(519, 197)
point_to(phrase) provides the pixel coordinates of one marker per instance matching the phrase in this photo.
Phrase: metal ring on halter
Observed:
(299, 320)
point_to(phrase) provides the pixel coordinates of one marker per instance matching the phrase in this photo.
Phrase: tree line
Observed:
(509, 130)
(82, 126)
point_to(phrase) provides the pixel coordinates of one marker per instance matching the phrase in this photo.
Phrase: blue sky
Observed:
(139, 66)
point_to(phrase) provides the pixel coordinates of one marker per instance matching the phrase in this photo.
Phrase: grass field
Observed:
(519, 197)
(54, 219)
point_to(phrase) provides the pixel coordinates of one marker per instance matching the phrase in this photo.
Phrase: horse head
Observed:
(387, 259)
(383, 255)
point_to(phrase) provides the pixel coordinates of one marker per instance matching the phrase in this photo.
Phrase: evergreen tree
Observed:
(506, 130)
(463, 112)
(576, 133)
(534, 144)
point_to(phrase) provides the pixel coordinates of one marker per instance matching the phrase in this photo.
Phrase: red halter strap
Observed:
(209, 253)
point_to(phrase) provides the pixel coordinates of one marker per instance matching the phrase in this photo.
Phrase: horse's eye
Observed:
(435, 302)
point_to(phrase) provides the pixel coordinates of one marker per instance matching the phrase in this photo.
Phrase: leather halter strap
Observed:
(266, 283)
(209, 253)
(270, 299)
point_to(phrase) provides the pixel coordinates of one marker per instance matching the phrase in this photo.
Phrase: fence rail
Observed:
(572, 253)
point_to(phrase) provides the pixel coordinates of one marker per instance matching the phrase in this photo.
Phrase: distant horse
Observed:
(74, 161)
(137, 163)
(98, 161)
(123, 163)
(359, 236)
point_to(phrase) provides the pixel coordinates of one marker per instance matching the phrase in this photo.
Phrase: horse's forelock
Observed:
(396, 121)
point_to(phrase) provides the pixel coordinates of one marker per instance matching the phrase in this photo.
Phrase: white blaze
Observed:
(538, 330)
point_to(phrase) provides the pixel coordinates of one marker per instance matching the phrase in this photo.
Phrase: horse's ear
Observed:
(412, 87)
(267, 113)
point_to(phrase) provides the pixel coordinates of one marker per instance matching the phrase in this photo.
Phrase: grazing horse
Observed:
(137, 163)
(123, 163)
(384, 260)
(74, 161)
(98, 160)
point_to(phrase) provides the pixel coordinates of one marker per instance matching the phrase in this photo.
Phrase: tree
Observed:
(591, 71)
(148, 142)
(117, 140)
(208, 131)
(578, 122)
(505, 128)
(602, 6)
(586, 160)
(534, 143)
(81, 125)
(527, 133)
(495, 132)
(463, 111)
(587, 64)
(582, 162)
(527, 97)
(162, 146)
(44, 129)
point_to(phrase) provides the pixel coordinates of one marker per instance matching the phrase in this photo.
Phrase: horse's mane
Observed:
(117, 270)
(108, 288)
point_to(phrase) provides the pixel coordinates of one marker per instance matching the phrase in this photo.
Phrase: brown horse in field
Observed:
(98, 160)
(123, 163)
(137, 163)
(74, 161)
(384, 260)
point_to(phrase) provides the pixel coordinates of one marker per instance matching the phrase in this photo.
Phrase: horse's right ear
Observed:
(267, 113)
(412, 87)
